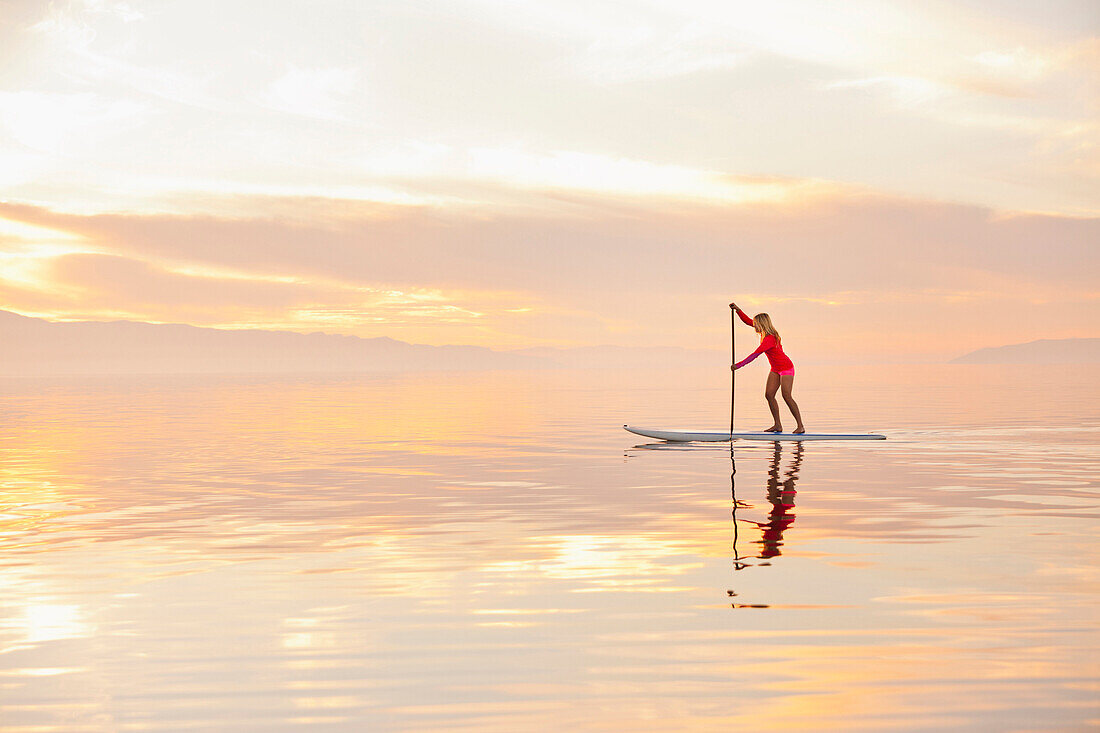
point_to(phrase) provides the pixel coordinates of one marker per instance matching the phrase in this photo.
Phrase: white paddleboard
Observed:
(724, 436)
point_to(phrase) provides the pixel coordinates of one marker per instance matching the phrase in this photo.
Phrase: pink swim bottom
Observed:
(785, 373)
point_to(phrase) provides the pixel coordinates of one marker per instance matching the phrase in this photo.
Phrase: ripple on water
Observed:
(491, 551)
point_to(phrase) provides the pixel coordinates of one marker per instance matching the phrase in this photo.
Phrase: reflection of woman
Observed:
(781, 495)
(782, 368)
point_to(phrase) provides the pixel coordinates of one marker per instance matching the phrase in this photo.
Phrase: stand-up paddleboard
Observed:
(724, 436)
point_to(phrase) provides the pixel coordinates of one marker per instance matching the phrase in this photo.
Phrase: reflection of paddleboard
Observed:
(718, 437)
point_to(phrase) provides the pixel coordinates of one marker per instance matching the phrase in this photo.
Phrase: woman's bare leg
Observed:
(787, 382)
(769, 394)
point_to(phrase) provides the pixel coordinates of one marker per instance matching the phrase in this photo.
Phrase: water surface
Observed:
(492, 552)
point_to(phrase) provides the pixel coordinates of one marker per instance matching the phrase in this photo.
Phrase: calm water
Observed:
(492, 552)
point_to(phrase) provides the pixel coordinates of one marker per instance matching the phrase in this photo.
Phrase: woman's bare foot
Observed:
(799, 430)
(774, 429)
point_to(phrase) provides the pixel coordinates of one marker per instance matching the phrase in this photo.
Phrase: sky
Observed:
(891, 181)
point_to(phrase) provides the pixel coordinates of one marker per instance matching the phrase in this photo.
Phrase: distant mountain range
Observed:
(624, 356)
(31, 346)
(1043, 351)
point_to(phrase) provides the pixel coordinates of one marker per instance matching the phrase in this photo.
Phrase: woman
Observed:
(782, 373)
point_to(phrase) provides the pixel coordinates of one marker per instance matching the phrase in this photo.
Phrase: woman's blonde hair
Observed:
(763, 324)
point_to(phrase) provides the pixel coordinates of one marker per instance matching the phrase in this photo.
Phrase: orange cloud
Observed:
(886, 274)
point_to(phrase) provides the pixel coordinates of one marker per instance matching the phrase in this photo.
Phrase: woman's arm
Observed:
(744, 319)
(767, 343)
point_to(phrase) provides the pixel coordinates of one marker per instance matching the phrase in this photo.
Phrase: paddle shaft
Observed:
(733, 360)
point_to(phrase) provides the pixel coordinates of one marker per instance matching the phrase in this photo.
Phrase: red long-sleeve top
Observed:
(769, 347)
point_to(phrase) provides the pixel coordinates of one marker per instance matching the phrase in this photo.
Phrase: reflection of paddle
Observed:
(737, 564)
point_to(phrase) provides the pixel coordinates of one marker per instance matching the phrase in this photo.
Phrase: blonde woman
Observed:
(782, 372)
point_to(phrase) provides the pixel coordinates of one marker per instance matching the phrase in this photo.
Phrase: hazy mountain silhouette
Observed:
(32, 346)
(36, 346)
(626, 356)
(1043, 351)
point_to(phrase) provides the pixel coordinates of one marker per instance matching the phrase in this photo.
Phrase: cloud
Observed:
(110, 278)
(616, 273)
(906, 91)
(311, 92)
(66, 123)
(99, 285)
(130, 109)
(917, 244)
(570, 172)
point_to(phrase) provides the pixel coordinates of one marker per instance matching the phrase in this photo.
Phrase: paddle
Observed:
(733, 360)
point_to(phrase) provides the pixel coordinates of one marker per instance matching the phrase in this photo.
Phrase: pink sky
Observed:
(889, 180)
